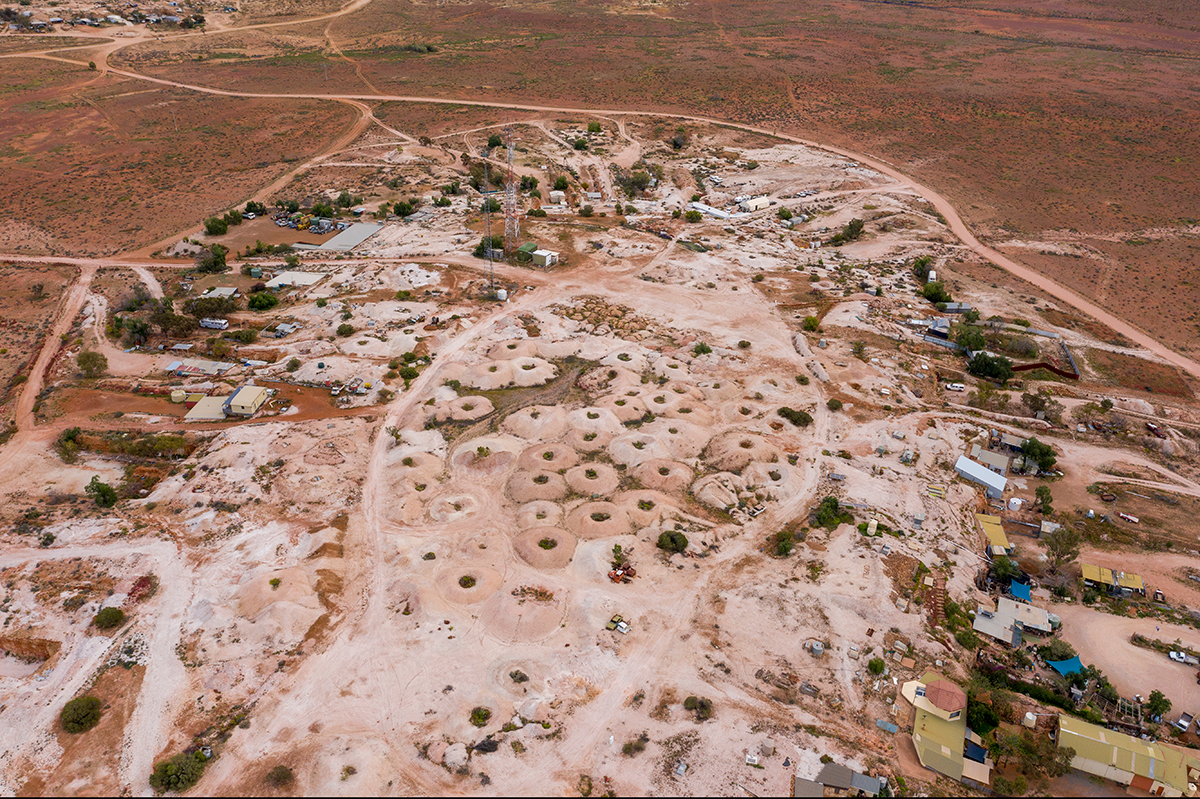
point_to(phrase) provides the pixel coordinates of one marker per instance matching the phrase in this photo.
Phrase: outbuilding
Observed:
(755, 204)
(247, 400)
(993, 483)
(545, 257)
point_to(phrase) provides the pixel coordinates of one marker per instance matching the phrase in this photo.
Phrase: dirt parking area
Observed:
(1103, 640)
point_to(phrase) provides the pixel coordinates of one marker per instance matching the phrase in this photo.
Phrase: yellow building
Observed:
(1153, 767)
(247, 400)
(943, 742)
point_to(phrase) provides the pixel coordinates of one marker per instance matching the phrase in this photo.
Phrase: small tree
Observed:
(834, 404)
(211, 260)
(345, 329)
(1045, 498)
(104, 494)
(91, 363)
(279, 777)
(262, 301)
(1042, 453)
(593, 127)
(1062, 546)
(1157, 704)
(560, 183)
(935, 292)
(876, 666)
(109, 618)
(495, 141)
(693, 216)
(587, 210)
(811, 323)
(293, 365)
(672, 541)
(81, 714)
(580, 144)
(996, 368)
(216, 226)
(490, 205)
(179, 773)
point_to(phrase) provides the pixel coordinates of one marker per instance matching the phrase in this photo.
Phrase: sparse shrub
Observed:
(279, 777)
(798, 418)
(547, 543)
(834, 404)
(672, 541)
(81, 714)
(743, 344)
(109, 618)
(467, 581)
(701, 348)
(480, 716)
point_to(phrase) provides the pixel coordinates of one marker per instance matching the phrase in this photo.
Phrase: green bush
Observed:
(179, 773)
(829, 514)
(280, 777)
(408, 372)
(293, 364)
(701, 349)
(262, 301)
(967, 639)
(81, 714)
(834, 404)
(876, 666)
(466, 581)
(345, 330)
(108, 618)
(693, 216)
(480, 716)
(672, 541)
(104, 494)
(798, 418)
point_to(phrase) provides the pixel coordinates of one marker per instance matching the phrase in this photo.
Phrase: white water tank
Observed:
(818, 648)
(178, 396)
(502, 295)
(1029, 721)
(1014, 504)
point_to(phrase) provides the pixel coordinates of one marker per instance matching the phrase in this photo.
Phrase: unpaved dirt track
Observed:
(940, 203)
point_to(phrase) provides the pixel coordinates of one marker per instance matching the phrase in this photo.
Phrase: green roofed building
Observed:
(940, 734)
(525, 251)
(1156, 768)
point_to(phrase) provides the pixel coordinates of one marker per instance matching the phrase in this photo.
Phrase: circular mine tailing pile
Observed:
(650, 474)
(734, 449)
(593, 478)
(537, 423)
(525, 544)
(626, 409)
(539, 513)
(487, 582)
(636, 447)
(514, 619)
(598, 520)
(547, 456)
(529, 485)
(453, 506)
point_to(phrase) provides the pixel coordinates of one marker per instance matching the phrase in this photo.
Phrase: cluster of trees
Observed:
(830, 514)
(991, 367)
(179, 773)
(104, 494)
(1040, 452)
(211, 260)
(488, 243)
(921, 267)
(258, 248)
(219, 225)
(672, 541)
(936, 293)
(346, 199)
(408, 207)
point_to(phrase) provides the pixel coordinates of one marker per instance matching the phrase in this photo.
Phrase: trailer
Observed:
(215, 324)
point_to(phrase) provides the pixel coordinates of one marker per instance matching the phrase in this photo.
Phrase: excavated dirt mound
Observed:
(548, 456)
(514, 348)
(453, 507)
(587, 440)
(527, 547)
(663, 475)
(732, 412)
(521, 619)
(487, 582)
(600, 420)
(501, 454)
(683, 438)
(732, 451)
(644, 508)
(538, 514)
(626, 409)
(637, 447)
(598, 520)
(695, 412)
(522, 372)
(465, 409)
(593, 478)
(537, 423)
(544, 484)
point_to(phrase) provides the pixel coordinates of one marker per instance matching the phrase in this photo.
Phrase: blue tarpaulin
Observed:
(1020, 591)
(975, 752)
(1065, 667)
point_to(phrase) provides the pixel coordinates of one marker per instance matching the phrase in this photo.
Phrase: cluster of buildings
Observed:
(243, 403)
(946, 745)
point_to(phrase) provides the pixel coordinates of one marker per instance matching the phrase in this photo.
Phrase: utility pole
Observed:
(487, 224)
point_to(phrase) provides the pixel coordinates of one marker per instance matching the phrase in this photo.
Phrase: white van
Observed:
(955, 387)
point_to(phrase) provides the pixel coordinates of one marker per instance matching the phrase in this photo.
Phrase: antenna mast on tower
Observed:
(487, 223)
(512, 211)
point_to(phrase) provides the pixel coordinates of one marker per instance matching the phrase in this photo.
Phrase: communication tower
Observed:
(487, 224)
(512, 211)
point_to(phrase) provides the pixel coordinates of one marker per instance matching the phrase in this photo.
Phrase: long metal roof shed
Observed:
(978, 473)
(351, 237)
